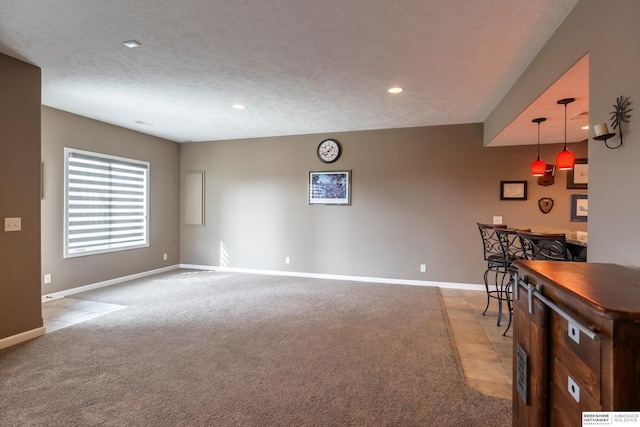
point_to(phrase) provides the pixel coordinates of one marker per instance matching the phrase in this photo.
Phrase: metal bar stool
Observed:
(512, 250)
(496, 264)
(537, 246)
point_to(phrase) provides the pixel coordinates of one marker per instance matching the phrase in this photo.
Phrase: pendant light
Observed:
(538, 167)
(565, 159)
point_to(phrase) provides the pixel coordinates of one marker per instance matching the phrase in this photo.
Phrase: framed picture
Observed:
(513, 190)
(330, 187)
(579, 207)
(578, 177)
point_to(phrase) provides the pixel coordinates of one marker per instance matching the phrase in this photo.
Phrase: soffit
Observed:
(572, 84)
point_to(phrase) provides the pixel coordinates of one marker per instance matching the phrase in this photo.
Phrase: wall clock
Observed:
(329, 150)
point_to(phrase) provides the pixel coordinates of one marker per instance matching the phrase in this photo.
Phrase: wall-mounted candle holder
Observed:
(619, 115)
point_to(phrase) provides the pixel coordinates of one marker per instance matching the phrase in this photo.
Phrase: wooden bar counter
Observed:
(576, 341)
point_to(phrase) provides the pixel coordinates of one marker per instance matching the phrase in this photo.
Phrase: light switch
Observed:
(12, 224)
(497, 220)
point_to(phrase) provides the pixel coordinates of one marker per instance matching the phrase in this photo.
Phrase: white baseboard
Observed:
(448, 285)
(21, 337)
(62, 294)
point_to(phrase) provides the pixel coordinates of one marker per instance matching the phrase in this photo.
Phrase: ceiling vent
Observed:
(579, 115)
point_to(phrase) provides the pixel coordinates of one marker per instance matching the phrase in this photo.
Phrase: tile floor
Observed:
(485, 355)
(62, 312)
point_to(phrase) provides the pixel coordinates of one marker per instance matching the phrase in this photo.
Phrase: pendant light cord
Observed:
(565, 126)
(538, 121)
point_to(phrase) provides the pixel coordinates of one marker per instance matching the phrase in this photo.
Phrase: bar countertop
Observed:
(575, 237)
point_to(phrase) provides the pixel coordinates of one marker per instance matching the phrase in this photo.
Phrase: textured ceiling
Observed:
(300, 66)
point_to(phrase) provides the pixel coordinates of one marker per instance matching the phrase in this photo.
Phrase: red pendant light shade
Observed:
(565, 159)
(538, 167)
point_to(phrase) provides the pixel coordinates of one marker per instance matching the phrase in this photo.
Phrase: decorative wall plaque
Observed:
(548, 177)
(545, 204)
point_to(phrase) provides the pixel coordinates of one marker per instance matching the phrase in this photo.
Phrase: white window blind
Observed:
(106, 203)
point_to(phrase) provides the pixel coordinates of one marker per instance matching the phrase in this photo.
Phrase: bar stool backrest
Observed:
(544, 246)
(490, 242)
(510, 243)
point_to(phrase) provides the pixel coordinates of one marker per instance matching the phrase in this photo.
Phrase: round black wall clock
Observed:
(329, 150)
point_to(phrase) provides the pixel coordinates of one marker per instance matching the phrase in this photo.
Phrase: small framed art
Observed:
(579, 207)
(513, 190)
(578, 177)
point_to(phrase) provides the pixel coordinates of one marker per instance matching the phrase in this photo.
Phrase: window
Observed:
(106, 203)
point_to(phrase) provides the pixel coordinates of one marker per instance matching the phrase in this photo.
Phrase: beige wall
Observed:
(416, 192)
(61, 129)
(610, 32)
(19, 197)
(416, 196)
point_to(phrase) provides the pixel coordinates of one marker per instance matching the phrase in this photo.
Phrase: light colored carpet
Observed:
(212, 349)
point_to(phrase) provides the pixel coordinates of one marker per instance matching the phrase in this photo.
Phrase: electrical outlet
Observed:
(47, 279)
(165, 257)
(287, 260)
(12, 224)
(497, 220)
(423, 268)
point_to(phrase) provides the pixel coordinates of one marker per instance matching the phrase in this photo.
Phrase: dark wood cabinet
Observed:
(576, 341)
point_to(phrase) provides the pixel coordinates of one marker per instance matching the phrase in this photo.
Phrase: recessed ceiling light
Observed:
(396, 89)
(142, 122)
(131, 43)
(239, 106)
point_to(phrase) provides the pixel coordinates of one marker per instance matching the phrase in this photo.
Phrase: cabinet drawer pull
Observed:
(574, 332)
(573, 388)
